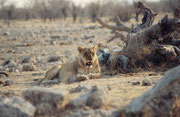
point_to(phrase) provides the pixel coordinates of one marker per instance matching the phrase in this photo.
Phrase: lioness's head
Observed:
(88, 55)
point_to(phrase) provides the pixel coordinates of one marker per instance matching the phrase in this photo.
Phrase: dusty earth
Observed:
(39, 40)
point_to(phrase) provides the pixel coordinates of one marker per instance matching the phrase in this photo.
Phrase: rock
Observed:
(80, 88)
(160, 101)
(6, 62)
(8, 82)
(9, 93)
(104, 57)
(52, 42)
(37, 74)
(46, 100)
(94, 113)
(124, 60)
(55, 37)
(12, 38)
(28, 67)
(16, 107)
(95, 98)
(27, 59)
(39, 59)
(146, 82)
(86, 37)
(91, 41)
(53, 58)
(11, 64)
(109, 88)
(48, 83)
(6, 33)
(136, 83)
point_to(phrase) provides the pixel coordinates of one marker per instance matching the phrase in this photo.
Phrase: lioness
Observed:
(86, 66)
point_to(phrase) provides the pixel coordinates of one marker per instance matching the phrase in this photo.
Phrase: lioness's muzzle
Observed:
(88, 64)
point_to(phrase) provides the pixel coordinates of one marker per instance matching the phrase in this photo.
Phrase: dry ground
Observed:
(34, 38)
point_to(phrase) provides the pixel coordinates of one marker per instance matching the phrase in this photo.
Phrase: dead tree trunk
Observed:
(136, 42)
(142, 42)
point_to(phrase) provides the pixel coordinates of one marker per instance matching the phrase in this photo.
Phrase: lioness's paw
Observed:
(82, 78)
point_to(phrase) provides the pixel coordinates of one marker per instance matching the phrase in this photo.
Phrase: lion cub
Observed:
(86, 66)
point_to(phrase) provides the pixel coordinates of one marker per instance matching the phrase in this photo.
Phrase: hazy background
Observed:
(21, 3)
(78, 9)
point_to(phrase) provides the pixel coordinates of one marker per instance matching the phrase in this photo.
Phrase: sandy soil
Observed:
(42, 39)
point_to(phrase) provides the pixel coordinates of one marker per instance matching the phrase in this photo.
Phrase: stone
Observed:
(91, 41)
(28, 67)
(9, 93)
(53, 58)
(136, 83)
(86, 37)
(37, 74)
(39, 60)
(95, 98)
(26, 59)
(46, 100)
(124, 60)
(6, 62)
(6, 33)
(160, 101)
(11, 64)
(49, 83)
(146, 82)
(52, 42)
(16, 107)
(94, 113)
(8, 82)
(105, 58)
(55, 36)
(80, 88)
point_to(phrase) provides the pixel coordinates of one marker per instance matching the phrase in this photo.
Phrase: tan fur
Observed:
(86, 66)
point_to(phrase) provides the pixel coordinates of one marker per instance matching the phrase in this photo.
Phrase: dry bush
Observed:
(93, 10)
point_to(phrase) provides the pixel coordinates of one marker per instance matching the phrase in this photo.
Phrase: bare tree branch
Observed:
(117, 28)
(119, 35)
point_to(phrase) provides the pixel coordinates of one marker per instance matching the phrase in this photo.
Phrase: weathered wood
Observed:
(111, 27)
(117, 35)
(177, 13)
(148, 14)
(145, 41)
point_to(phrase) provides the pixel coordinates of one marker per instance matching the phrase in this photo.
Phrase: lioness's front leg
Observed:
(94, 75)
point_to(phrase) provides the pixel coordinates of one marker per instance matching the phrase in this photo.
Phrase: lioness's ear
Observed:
(80, 49)
(95, 48)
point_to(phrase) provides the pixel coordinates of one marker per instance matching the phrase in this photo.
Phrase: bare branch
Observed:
(117, 28)
(119, 35)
